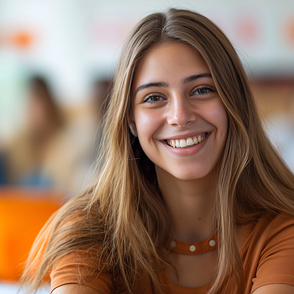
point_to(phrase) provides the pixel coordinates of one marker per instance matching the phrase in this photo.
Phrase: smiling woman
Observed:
(191, 197)
(180, 119)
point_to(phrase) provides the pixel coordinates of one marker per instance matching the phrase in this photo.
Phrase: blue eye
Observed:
(202, 91)
(153, 98)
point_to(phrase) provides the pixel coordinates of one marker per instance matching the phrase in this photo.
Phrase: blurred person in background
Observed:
(2, 170)
(190, 197)
(44, 154)
(29, 152)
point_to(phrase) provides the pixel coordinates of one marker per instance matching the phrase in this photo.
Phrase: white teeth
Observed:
(190, 142)
(182, 143)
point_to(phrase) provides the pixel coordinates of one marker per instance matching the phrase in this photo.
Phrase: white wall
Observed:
(76, 40)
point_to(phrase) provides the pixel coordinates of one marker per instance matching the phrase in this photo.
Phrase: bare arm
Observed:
(75, 289)
(275, 289)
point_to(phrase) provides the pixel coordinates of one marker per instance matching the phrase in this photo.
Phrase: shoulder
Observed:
(276, 235)
(81, 267)
(275, 230)
(282, 221)
(268, 252)
(267, 232)
(266, 228)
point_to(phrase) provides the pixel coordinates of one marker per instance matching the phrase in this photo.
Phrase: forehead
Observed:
(168, 61)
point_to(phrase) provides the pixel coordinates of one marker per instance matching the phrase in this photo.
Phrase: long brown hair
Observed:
(124, 213)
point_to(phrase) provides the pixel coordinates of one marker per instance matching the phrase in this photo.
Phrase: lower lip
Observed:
(187, 151)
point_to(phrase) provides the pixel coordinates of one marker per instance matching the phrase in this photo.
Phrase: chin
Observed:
(190, 175)
(190, 178)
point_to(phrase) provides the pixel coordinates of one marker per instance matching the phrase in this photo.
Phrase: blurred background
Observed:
(57, 60)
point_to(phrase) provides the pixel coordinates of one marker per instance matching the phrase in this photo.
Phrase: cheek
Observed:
(147, 123)
(219, 117)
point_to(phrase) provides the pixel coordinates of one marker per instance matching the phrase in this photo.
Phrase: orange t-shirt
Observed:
(267, 254)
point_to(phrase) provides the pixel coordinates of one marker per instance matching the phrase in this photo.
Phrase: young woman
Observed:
(191, 197)
(28, 157)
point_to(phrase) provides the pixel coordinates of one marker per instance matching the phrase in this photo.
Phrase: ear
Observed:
(132, 123)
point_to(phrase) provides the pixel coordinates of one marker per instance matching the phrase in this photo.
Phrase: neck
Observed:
(190, 205)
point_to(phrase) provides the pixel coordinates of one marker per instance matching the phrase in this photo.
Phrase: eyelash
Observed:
(152, 96)
(203, 88)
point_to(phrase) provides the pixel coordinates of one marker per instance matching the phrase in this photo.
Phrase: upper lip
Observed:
(186, 136)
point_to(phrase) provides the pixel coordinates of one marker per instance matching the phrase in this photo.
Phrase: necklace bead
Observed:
(212, 243)
(192, 248)
(173, 244)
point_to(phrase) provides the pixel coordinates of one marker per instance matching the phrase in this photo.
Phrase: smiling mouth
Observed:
(186, 143)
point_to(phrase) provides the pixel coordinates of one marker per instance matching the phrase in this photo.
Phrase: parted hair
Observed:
(124, 215)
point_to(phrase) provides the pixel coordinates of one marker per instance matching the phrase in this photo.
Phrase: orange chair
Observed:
(21, 218)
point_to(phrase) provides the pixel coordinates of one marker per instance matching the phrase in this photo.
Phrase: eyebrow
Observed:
(196, 77)
(150, 85)
(165, 85)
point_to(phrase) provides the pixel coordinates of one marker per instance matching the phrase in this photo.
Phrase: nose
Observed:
(180, 112)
